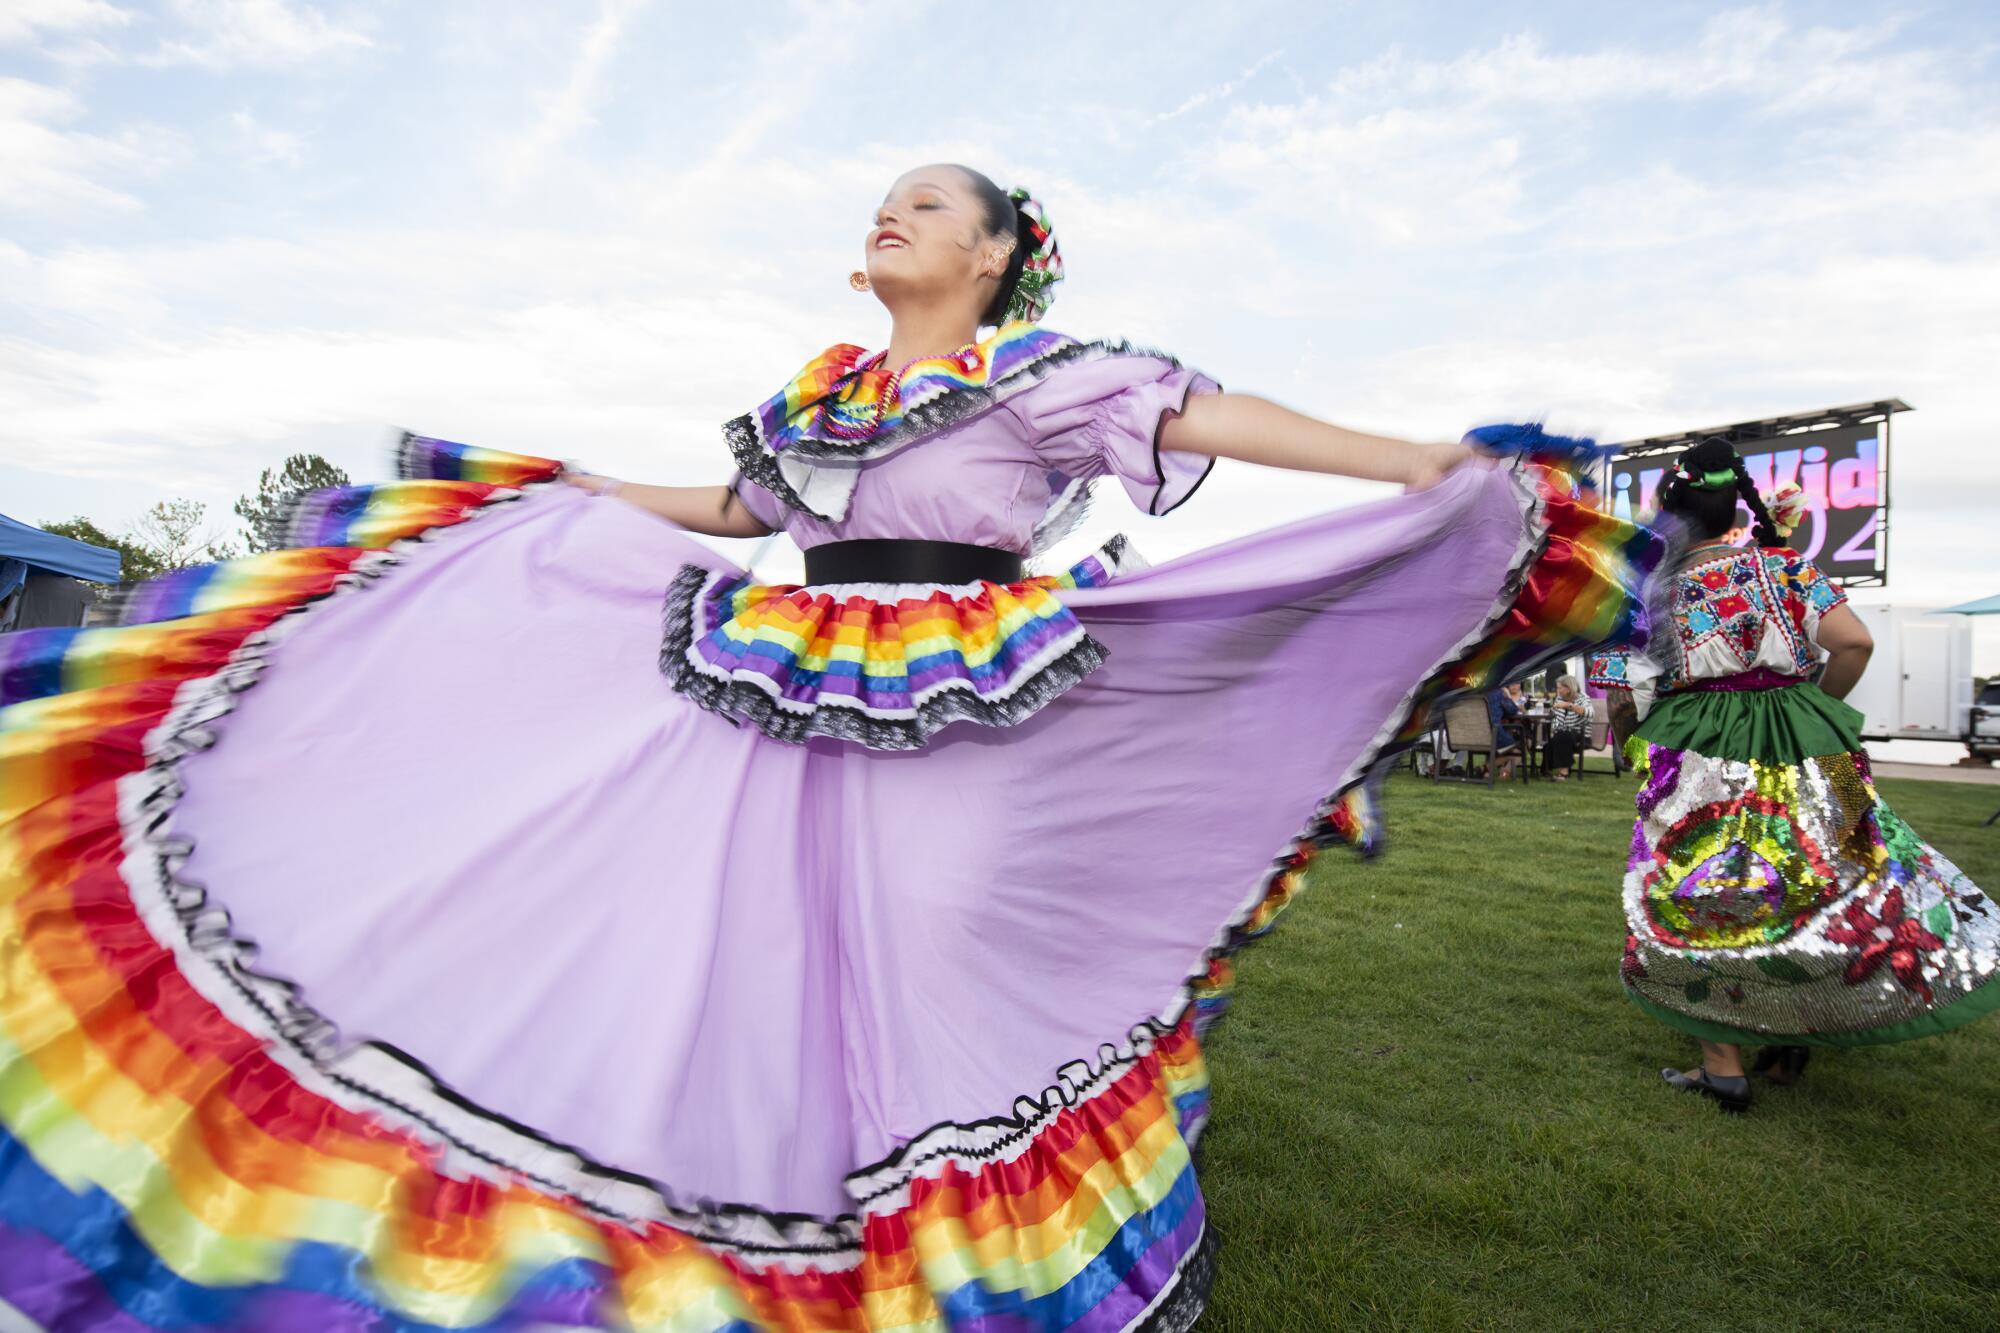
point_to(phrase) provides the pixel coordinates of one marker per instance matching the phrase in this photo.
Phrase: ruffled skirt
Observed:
(391, 944)
(1773, 896)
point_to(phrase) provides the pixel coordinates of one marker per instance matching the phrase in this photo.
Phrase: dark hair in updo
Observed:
(1002, 219)
(1711, 511)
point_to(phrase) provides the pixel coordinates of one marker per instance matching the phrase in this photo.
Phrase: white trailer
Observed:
(1918, 685)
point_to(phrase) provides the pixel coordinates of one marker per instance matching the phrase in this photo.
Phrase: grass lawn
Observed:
(1435, 1108)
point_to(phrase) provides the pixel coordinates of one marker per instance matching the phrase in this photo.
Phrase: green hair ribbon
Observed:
(1719, 479)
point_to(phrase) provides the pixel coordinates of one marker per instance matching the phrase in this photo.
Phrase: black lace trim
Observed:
(747, 445)
(741, 701)
(760, 466)
(1064, 514)
(983, 1141)
(1187, 1297)
(404, 455)
(1115, 553)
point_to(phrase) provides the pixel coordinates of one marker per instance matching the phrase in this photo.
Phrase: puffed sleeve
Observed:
(1102, 417)
(1808, 592)
(763, 506)
(1642, 675)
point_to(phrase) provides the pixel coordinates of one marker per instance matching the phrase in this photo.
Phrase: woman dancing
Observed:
(1771, 895)
(426, 933)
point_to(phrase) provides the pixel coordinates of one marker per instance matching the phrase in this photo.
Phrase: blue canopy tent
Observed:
(41, 576)
(1985, 606)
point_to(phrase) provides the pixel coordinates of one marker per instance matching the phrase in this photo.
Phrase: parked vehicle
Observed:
(1918, 685)
(1983, 737)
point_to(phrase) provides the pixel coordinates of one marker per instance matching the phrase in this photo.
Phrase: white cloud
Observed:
(613, 349)
(568, 109)
(1220, 92)
(266, 144)
(1399, 175)
(1418, 245)
(1445, 152)
(1754, 53)
(220, 34)
(25, 20)
(48, 169)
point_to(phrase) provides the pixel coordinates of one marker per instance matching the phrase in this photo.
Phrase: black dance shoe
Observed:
(1782, 1065)
(1731, 1094)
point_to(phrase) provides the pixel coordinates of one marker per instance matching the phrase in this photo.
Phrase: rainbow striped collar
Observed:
(798, 444)
(838, 390)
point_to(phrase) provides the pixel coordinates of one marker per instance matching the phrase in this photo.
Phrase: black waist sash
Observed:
(893, 560)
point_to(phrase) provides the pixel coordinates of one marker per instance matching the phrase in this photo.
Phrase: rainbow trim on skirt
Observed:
(162, 1168)
(853, 661)
(169, 1162)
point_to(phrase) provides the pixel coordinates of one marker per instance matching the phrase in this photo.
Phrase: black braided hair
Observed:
(1003, 218)
(1710, 511)
(1766, 528)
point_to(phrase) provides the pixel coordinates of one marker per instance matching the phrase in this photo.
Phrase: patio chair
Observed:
(1468, 729)
(1428, 755)
(1600, 738)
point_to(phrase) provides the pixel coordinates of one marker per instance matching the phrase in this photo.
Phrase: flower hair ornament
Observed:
(1788, 507)
(1043, 268)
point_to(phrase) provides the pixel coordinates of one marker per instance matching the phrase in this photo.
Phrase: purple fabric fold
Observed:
(746, 968)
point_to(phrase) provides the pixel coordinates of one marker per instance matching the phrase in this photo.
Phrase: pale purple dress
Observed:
(467, 815)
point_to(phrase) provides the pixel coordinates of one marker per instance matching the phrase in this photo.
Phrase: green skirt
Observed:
(1771, 896)
(1775, 726)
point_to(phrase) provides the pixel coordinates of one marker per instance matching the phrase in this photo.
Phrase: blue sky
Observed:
(233, 229)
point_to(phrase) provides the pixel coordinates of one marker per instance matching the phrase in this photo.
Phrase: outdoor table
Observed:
(1533, 729)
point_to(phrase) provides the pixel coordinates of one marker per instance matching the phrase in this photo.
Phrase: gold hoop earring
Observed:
(858, 280)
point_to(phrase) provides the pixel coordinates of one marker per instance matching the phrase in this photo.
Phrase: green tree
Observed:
(175, 533)
(264, 513)
(136, 562)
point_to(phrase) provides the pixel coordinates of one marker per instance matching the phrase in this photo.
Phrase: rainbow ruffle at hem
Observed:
(797, 662)
(171, 1160)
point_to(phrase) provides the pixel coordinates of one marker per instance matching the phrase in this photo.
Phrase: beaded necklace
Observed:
(967, 356)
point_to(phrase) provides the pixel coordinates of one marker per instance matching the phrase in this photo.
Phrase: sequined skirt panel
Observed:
(1770, 901)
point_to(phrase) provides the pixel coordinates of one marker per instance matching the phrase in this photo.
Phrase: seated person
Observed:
(1501, 708)
(1569, 727)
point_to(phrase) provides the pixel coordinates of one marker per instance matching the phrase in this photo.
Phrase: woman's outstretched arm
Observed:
(713, 511)
(1256, 430)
